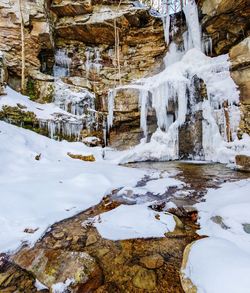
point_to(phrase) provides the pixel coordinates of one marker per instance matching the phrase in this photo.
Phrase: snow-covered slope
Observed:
(35, 194)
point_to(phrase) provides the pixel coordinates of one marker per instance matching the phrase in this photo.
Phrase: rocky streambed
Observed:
(73, 250)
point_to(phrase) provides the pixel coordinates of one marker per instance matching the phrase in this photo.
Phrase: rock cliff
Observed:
(103, 44)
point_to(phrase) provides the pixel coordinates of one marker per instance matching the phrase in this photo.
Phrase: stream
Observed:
(132, 265)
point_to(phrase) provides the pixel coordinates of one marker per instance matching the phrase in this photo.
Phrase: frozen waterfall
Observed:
(175, 83)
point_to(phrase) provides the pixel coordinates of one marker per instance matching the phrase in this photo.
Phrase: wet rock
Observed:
(15, 279)
(154, 261)
(91, 239)
(55, 265)
(145, 279)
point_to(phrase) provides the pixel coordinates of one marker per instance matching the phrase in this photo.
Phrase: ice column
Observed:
(194, 30)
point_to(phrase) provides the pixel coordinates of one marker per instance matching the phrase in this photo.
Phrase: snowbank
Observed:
(221, 263)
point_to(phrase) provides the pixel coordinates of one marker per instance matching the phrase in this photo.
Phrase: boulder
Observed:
(243, 162)
(52, 266)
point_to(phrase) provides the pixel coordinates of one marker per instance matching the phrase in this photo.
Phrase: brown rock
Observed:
(243, 162)
(58, 235)
(91, 239)
(56, 265)
(154, 261)
(71, 8)
(145, 279)
(89, 158)
(225, 21)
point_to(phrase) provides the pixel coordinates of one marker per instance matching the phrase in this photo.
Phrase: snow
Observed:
(221, 263)
(133, 221)
(216, 265)
(160, 186)
(39, 286)
(42, 111)
(36, 194)
(62, 286)
(55, 116)
(155, 186)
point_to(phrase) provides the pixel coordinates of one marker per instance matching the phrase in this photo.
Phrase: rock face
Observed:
(94, 40)
(37, 35)
(102, 44)
(226, 22)
(107, 44)
(240, 72)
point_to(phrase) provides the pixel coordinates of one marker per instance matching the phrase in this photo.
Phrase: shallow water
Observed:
(197, 176)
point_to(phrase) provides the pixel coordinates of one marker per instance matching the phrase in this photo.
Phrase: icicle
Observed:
(87, 62)
(182, 103)
(111, 98)
(62, 64)
(143, 101)
(160, 96)
(166, 27)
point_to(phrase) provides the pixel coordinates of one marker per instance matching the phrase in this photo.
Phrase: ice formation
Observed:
(79, 102)
(62, 63)
(175, 83)
(93, 60)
